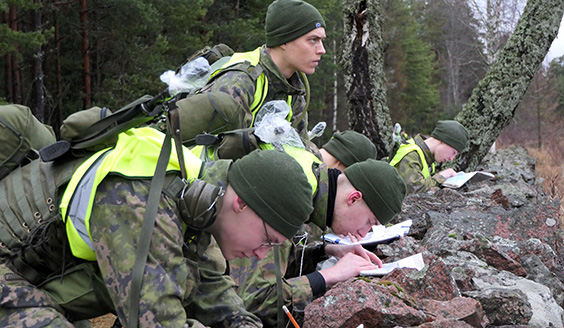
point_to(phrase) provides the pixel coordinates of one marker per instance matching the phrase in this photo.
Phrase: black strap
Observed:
(279, 291)
(174, 126)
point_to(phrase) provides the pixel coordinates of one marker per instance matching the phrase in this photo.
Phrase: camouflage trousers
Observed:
(54, 304)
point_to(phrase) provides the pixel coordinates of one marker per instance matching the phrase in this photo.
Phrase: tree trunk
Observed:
(335, 88)
(493, 102)
(15, 83)
(38, 83)
(363, 64)
(85, 55)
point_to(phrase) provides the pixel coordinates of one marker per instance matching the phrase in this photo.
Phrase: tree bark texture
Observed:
(15, 82)
(495, 99)
(85, 55)
(362, 60)
(38, 78)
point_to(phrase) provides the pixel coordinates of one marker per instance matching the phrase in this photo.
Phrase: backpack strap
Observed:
(306, 84)
(142, 252)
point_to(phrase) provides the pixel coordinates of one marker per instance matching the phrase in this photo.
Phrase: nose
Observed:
(364, 231)
(321, 48)
(260, 253)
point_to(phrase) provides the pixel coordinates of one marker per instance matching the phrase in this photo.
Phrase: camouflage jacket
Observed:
(410, 168)
(182, 283)
(242, 88)
(256, 280)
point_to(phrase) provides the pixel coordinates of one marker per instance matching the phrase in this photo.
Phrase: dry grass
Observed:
(103, 322)
(551, 169)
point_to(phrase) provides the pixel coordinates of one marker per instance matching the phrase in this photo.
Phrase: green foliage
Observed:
(23, 41)
(409, 61)
(432, 60)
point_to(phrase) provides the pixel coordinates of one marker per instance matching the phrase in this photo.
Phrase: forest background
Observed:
(59, 57)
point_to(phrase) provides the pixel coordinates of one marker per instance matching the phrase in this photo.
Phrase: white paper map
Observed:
(378, 234)
(414, 262)
(461, 178)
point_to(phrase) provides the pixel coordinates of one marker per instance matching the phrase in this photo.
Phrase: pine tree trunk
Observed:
(38, 83)
(85, 55)
(15, 83)
(495, 99)
(363, 63)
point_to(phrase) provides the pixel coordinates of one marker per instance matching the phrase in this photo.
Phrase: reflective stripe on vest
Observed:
(306, 159)
(134, 156)
(405, 149)
(253, 57)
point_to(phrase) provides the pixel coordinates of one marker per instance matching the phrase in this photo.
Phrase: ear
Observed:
(238, 204)
(283, 46)
(354, 197)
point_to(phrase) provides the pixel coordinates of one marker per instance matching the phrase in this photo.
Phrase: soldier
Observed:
(367, 193)
(294, 33)
(244, 206)
(346, 148)
(415, 160)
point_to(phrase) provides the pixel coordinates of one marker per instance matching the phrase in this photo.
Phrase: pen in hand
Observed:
(290, 316)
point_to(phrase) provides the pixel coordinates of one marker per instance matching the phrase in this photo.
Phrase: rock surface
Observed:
(493, 251)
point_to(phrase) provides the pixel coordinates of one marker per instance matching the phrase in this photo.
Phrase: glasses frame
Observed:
(269, 242)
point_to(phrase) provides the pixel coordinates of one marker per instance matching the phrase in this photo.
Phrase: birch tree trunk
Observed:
(363, 62)
(495, 99)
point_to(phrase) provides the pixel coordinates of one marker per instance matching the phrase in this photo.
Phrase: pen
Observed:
(290, 316)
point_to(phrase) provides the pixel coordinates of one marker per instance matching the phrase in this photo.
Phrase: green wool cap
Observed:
(350, 147)
(452, 133)
(381, 186)
(275, 187)
(287, 20)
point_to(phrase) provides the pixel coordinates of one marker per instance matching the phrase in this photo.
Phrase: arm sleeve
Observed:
(410, 169)
(216, 302)
(256, 284)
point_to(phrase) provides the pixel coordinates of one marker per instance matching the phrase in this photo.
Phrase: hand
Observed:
(448, 173)
(354, 237)
(347, 267)
(340, 251)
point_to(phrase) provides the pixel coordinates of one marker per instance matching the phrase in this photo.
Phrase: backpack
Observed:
(87, 131)
(21, 137)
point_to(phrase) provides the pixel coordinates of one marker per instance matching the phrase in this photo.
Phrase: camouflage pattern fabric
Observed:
(242, 88)
(181, 283)
(256, 280)
(410, 168)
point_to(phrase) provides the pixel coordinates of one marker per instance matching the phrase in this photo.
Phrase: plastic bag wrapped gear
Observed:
(191, 77)
(272, 127)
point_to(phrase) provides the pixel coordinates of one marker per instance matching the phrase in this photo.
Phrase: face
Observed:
(246, 235)
(444, 153)
(354, 217)
(304, 53)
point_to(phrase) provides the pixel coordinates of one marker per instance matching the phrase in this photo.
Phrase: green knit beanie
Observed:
(350, 147)
(275, 187)
(287, 20)
(381, 186)
(452, 133)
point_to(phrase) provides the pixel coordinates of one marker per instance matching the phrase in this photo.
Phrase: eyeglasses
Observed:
(269, 241)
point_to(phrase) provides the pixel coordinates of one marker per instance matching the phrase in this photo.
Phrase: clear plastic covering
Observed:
(191, 77)
(396, 136)
(317, 130)
(272, 127)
